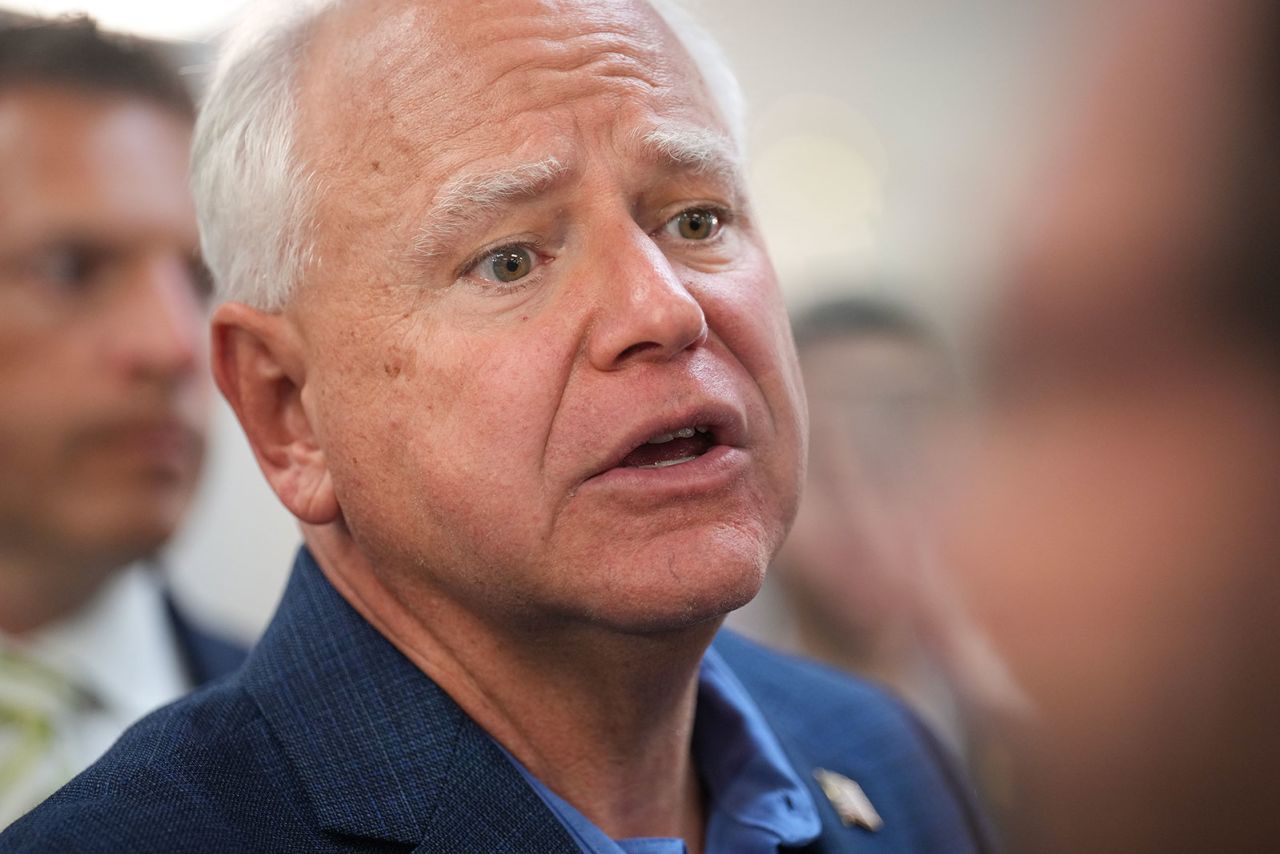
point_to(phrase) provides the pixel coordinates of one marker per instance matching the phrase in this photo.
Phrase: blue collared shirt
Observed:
(757, 803)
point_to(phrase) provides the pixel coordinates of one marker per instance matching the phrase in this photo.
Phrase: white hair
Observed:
(254, 196)
(712, 65)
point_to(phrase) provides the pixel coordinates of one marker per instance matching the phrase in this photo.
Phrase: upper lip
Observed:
(726, 423)
(147, 428)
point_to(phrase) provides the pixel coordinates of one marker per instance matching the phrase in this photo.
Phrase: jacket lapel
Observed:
(490, 807)
(379, 749)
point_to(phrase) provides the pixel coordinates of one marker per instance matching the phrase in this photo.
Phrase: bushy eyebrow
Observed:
(469, 200)
(696, 149)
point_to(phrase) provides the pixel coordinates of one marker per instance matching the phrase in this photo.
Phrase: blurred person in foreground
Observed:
(504, 337)
(1120, 527)
(858, 575)
(103, 397)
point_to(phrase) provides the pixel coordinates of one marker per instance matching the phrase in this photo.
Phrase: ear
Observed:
(259, 364)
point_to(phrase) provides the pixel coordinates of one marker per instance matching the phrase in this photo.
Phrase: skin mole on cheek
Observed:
(376, 165)
(393, 368)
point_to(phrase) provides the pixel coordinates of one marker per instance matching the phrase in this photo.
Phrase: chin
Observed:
(664, 594)
(136, 535)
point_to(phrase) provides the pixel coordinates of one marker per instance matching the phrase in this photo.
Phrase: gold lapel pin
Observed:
(850, 802)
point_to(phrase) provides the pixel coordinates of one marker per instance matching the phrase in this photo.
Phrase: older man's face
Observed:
(547, 358)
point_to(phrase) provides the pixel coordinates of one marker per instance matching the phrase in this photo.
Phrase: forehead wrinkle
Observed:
(469, 199)
(583, 53)
(604, 38)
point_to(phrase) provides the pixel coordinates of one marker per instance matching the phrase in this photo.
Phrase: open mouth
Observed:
(671, 449)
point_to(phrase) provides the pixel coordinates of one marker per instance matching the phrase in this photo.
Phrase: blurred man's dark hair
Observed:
(74, 53)
(858, 586)
(856, 315)
(1255, 249)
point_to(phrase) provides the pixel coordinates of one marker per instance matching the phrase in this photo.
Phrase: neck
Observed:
(38, 590)
(603, 718)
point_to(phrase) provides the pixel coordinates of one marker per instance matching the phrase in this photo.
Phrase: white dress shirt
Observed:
(119, 657)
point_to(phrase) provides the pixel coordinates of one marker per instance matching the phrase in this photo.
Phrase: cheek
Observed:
(40, 420)
(747, 314)
(746, 310)
(196, 397)
(445, 437)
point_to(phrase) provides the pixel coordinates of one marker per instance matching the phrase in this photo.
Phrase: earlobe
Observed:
(259, 365)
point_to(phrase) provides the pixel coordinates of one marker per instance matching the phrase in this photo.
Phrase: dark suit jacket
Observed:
(205, 656)
(328, 739)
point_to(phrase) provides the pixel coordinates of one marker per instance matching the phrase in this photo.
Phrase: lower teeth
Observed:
(661, 464)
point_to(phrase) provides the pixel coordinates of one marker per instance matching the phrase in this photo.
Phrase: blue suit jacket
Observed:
(204, 656)
(328, 739)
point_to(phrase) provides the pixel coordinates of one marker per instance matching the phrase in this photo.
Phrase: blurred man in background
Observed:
(103, 397)
(1119, 524)
(858, 575)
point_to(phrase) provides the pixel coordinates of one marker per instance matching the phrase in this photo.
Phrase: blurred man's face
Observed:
(102, 343)
(853, 553)
(1121, 515)
(546, 352)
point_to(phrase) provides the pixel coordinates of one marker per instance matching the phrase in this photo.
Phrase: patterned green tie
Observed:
(33, 697)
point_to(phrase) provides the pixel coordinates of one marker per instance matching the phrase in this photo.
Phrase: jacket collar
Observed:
(205, 656)
(381, 751)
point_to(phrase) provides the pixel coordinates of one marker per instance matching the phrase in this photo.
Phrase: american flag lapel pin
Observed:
(848, 799)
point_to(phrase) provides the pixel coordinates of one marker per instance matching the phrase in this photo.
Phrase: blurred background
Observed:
(887, 145)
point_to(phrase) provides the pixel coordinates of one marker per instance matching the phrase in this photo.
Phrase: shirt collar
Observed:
(756, 800)
(754, 788)
(119, 647)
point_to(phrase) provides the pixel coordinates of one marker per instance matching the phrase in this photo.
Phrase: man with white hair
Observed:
(503, 335)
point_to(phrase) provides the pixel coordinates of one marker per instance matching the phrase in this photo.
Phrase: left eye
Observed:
(694, 224)
(506, 265)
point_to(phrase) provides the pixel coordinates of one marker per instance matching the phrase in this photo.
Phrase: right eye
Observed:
(69, 268)
(695, 224)
(506, 265)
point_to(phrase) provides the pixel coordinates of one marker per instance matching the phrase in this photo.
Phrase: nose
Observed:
(647, 314)
(160, 329)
